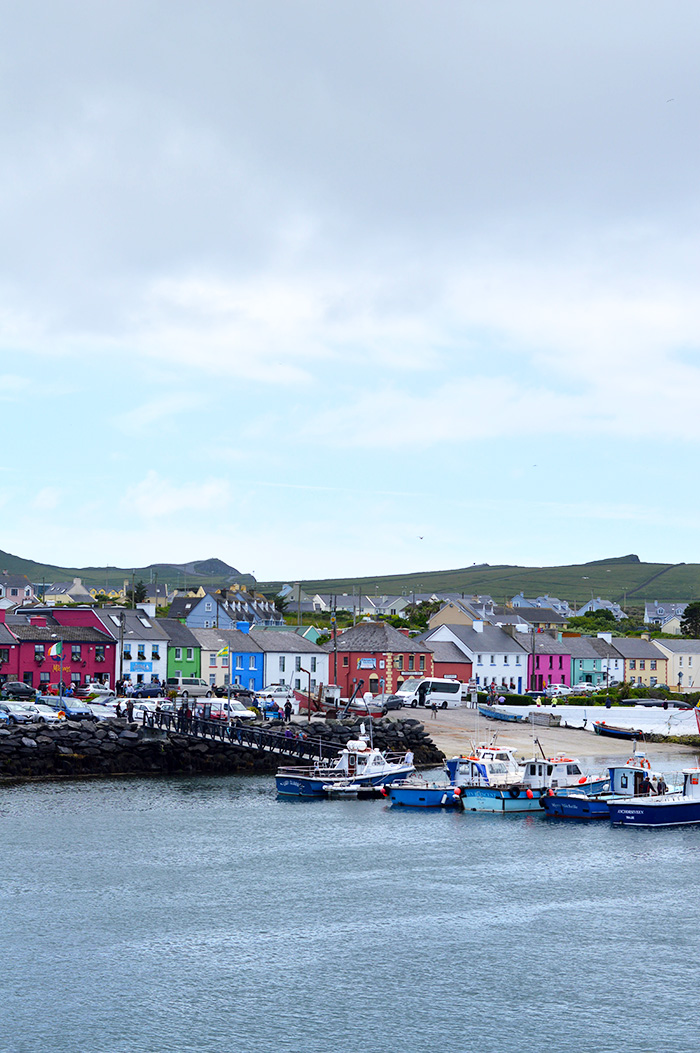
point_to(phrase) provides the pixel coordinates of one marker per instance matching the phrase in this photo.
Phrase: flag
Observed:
(55, 650)
(223, 653)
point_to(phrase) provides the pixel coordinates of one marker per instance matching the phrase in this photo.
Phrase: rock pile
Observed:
(75, 748)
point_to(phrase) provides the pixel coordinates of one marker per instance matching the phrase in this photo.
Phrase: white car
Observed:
(236, 710)
(554, 690)
(101, 712)
(47, 715)
(584, 689)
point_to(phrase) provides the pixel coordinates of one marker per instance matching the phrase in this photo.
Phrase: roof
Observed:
(680, 646)
(215, 639)
(447, 651)
(275, 640)
(490, 639)
(137, 624)
(69, 633)
(585, 647)
(184, 605)
(534, 614)
(178, 634)
(379, 637)
(6, 636)
(632, 647)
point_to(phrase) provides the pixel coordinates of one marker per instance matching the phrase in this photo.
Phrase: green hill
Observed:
(202, 572)
(625, 579)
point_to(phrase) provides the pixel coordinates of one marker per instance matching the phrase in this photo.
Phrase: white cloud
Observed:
(155, 497)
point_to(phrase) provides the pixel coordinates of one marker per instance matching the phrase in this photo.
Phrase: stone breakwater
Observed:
(115, 747)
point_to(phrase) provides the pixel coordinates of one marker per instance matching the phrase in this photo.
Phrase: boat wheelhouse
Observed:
(669, 809)
(358, 764)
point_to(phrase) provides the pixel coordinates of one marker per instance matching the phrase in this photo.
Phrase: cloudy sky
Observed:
(328, 287)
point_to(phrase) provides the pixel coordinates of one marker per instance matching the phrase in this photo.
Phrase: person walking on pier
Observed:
(287, 711)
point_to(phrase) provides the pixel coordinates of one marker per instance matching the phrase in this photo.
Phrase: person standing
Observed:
(433, 710)
(287, 711)
(130, 710)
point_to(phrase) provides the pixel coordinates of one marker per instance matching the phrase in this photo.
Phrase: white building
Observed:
(291, 659)
(496, 656)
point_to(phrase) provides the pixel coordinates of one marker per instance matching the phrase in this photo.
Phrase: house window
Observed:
(411, 662)
(282, 664)
(505, 659)
(39, 652)
(100, 653)
(237, 680)
(297, 664)
(642, 663)
(537, 662)
(313, 685)
(142, 653)
(633, 663)
(251, 662)
(313, 665)
(75, 653)
(155, 652)
(44, 678)
(28, 678)
(517, 659)
(212, 658)
(398, 661)
(561, 661)
(421, 663)
(208, 606)
(680, 660)
(212, 679)
(297, 684)
(4, 654)
(190, 654)
(14, 592)
(178, 654)
(127, 654)
(493, 659)
(75, 678)
(251, 684)
(653, 661)
(239, 661)
(346, 660)
(478, 660)
(551, 661)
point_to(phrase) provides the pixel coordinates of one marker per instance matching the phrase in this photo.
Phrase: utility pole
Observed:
(334, 623)
(133, 589)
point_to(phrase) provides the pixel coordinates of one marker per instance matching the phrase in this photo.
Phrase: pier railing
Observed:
(256, 737)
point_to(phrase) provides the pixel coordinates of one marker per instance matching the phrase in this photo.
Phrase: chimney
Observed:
(38, 620)
(77, 581)
(478, 625)
(2, 615)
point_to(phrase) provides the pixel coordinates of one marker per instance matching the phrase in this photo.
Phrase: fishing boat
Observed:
(537, 778)
(496, 766)
(543, 718)
(670, 809)
(499, 713)
(626, 780)
(601, 728)
(357, 765)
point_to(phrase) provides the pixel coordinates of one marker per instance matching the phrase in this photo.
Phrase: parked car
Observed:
(95, 690)
(17, 713)
(47, 715)
(585, 689)
(16, 689)
(101, 712)
(148, 691)
(189, 686)
(234, 710)
(390, 702)
(557, 689)
(74, 708)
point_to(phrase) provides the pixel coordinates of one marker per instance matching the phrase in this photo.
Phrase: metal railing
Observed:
(256, 737)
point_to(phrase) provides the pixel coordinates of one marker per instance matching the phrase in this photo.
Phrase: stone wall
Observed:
(113, 747)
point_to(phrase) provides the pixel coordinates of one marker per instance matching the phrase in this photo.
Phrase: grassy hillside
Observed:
(204, 572)
(624, 579)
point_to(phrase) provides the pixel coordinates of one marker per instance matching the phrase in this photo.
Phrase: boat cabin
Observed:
(553, 772)
(691, 782)
(487, 766)
(627, 779)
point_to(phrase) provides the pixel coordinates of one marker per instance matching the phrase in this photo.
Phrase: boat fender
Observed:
(384, 792)
(582, 780)
(529, 794)
(550, 792)
(514, 791)
(457, 791)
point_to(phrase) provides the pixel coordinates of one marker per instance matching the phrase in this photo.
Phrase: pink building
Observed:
(552, 660)
(47, 650)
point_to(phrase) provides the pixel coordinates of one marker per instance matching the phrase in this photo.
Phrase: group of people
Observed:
(651, 785)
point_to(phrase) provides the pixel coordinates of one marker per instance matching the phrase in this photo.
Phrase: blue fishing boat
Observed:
(495, 766)
(420, 793)
(670, 809)
(357, 765)
(537, 778)
(499, 713)
(614, 732)
(626, 780)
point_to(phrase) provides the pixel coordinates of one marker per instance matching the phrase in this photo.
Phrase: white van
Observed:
(189, 686)
(426, 691)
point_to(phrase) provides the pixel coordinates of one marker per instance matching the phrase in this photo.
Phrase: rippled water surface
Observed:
(202, 916)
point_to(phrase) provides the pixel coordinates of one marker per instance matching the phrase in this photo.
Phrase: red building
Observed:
(379, 655)
(44, 651)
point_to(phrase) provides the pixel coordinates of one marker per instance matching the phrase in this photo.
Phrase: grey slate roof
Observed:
(680, 646)
(178, 634)
(533, 614)
(447, 651)
(69, 633)
(377, 637)
(6, 636)
(631, 647)
(183, 605)
(585, 647)
(137, 625)
(491, 639)
(274, 640)
(215, 639)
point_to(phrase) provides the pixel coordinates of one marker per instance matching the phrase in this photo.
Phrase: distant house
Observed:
(454, 612)
(560, 606)
(645, 665)
(538, 617)
(667, 616)
(291, 659)
(67, 592)
(549, 659)
(602, 605)
(498, 657)
(15, 589)
(184, 651)
(230, 654)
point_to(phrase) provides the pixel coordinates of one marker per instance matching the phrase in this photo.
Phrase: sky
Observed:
(344, 287)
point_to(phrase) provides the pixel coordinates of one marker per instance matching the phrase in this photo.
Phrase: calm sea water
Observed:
(206, 916)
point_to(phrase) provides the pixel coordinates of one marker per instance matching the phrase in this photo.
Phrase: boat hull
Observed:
(438, 796)
(671, 812)
(495, 799)
(564, 806)
(617, 733)
(316, 786)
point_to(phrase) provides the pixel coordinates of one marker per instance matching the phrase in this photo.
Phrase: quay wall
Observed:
(73, 749)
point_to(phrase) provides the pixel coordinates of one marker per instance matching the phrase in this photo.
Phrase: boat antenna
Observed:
(544, 755)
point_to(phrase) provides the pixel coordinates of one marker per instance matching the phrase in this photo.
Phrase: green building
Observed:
(184, 652)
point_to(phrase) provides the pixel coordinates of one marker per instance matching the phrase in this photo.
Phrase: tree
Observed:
(139, 592)
(690, 624)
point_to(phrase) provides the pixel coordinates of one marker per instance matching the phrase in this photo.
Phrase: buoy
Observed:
(582, 779)
(529, 793)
